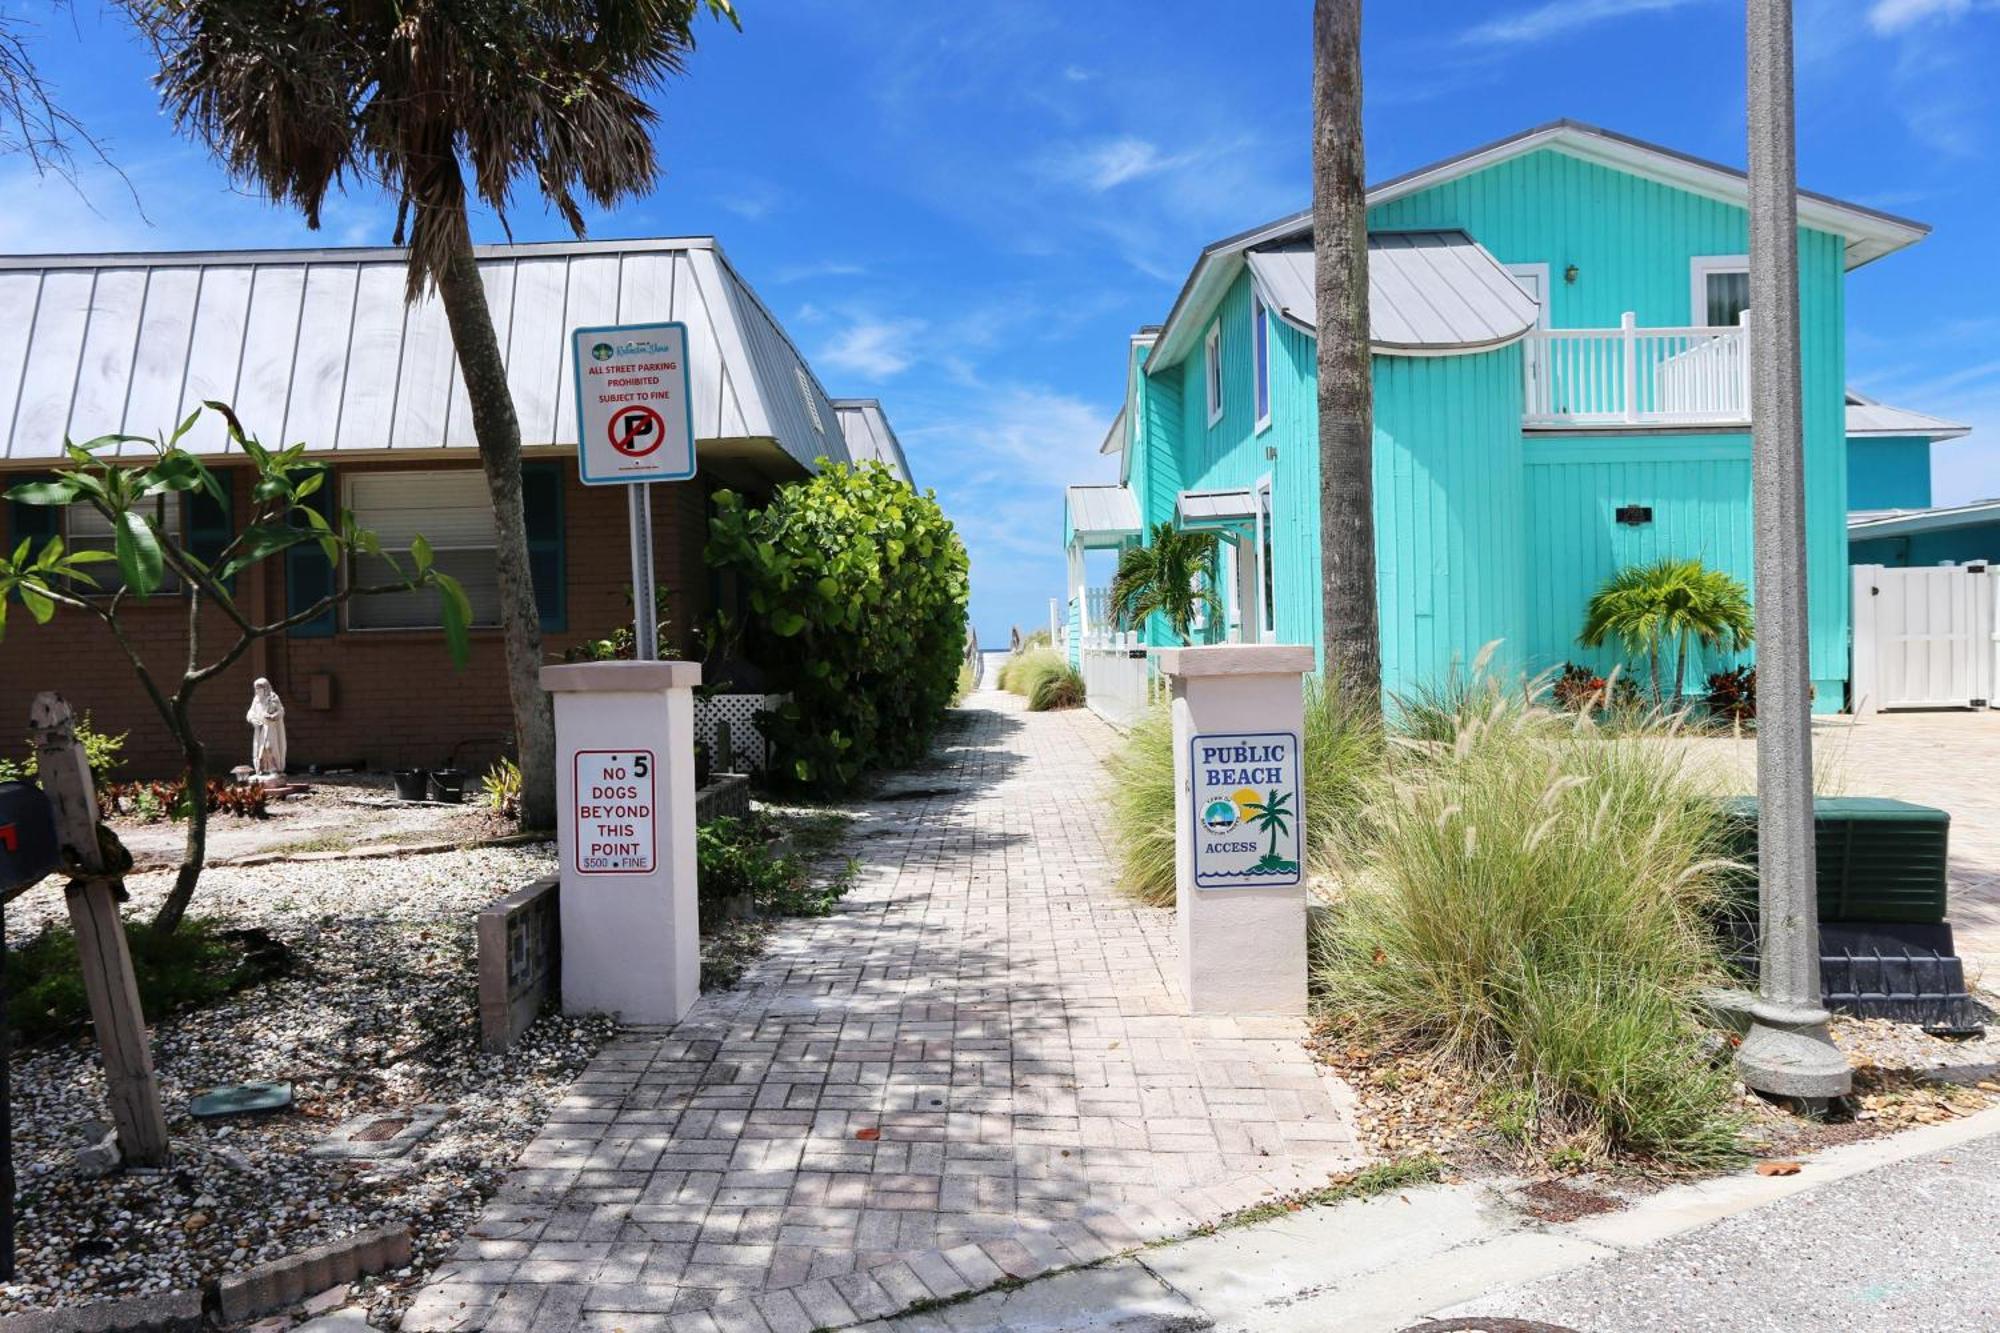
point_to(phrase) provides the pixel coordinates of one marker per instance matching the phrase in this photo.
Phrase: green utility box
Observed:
(1879, 860)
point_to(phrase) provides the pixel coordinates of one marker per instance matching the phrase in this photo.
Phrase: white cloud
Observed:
(1557, 17)
(824, 268)
(1888, 17)
(1109, 163)
(875, 349)
(754, 201)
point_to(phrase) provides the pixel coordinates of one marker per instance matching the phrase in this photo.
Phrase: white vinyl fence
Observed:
(1118, 681)
(1927, 637)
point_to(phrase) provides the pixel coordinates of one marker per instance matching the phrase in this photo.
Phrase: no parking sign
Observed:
(634, 421)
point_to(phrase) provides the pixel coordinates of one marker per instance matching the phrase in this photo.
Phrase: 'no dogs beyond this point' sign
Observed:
(633, 418)
(614, 812)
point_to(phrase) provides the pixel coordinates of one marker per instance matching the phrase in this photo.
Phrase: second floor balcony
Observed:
(1632, 376)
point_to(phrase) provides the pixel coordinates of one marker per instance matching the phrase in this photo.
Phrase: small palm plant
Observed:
(1273, 815)
(1173, 575)
(1670, 602)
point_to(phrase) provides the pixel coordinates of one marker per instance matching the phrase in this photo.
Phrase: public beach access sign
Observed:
(1247, 811)
(634, 418)
(613, 833)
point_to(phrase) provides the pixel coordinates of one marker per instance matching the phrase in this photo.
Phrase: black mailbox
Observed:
(27, 834)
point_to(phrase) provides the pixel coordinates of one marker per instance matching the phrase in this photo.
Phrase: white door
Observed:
(1534, 280)
(1925, 637)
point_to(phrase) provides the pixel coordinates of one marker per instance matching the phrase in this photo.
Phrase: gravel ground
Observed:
(378, 1013)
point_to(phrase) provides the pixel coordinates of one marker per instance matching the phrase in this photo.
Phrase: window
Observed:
(1212, 361)
(88, 530)
(1721, 290)
(452, 512)
(1260, 359)
(1267, 595)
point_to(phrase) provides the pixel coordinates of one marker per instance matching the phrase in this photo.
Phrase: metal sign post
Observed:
(634, 426)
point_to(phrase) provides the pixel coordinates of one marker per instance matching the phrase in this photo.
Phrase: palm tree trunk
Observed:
(1348, 616)
(1681, 671)
(499, 434)
(1653, 664)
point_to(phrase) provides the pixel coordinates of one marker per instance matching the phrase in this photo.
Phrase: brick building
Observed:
(319, 346)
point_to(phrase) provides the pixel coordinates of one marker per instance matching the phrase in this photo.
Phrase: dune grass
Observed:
(1043, 678)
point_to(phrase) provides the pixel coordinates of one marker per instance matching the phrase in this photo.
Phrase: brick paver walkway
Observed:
(980, 1067)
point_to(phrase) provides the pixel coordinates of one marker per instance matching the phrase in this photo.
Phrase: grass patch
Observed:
(1379, 1178)
(1533, 907)
(1342, 765)
(194, 966)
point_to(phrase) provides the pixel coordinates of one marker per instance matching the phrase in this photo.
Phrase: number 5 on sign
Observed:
(614, 832)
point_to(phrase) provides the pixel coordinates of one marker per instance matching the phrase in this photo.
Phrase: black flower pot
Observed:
(448, 785)
(701, 765)
(411, 783)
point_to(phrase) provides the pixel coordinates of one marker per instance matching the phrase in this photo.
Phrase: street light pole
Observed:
(1787, 1050)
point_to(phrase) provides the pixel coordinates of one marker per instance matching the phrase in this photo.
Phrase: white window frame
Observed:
(347, 483)
(1211, 354)
(1699, 270)
(1267, 559)
(1260, 361)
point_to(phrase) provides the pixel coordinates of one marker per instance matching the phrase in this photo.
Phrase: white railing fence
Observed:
(1118, 681)
(1634, 376)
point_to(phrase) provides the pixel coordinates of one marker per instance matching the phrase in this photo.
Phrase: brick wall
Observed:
(395, 699)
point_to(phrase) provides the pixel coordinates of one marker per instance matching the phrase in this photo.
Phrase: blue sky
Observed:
(965, 208)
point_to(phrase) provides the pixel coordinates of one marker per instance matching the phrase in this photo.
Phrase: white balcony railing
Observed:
(1629, 376)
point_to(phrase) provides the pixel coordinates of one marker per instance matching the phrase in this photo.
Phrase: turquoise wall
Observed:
(1954, 546)
(1892, 473)
(1631, 241)
(1698, 488)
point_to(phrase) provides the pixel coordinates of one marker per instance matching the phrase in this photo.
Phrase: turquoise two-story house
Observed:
(1561, 389)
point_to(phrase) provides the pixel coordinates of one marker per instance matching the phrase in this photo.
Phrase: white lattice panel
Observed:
(740, 712)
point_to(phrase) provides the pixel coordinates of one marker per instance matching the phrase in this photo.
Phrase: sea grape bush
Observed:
(856, 588)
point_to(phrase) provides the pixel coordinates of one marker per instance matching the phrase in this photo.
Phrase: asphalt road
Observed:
(1914, 1245)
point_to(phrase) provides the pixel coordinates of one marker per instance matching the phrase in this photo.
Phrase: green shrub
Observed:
(1341, 769)
(187, 968)
(857, 587)
(1533, 908)
(101, 751)
(1057, 689)
(736, 858)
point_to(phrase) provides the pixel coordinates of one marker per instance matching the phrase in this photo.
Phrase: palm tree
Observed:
(1272, 815)
(1174, 576)
(1349, 620)
(298, 99)
(1670, 602)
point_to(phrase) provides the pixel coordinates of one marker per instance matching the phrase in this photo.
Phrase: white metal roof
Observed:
(1903, 522)
(869, 435)
(1869, 233)
(1867, 418)
(318, 345)
(1207, 508)
(1102, 511)
(1433, 291)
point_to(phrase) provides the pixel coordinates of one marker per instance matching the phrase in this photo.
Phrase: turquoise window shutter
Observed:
(309, 576)
(542, 505)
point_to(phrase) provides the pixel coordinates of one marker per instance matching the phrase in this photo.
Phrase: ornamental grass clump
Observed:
(1532, 909)
(1032, 671)
(1341, 771)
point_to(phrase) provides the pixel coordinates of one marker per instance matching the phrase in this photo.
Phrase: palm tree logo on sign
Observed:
(1247, 833)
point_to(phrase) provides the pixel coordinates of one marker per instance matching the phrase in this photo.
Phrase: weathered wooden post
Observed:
(108, 981)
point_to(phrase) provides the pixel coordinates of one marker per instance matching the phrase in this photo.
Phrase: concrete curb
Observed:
(177, 1312)
(376, 852)
(285, 1282)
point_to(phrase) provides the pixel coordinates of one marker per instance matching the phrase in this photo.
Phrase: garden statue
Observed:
(267, 730)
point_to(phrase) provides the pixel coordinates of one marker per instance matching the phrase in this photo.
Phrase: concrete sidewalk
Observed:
(1896, 1233)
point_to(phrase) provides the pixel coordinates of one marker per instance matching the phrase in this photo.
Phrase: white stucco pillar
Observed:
(1239, 723)
(625, 832)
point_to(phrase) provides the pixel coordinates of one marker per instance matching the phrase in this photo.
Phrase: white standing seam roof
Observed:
(1200, 508)
(319, 346)
(1102, 511)
(1430, 291)
(868, 434)
(1868, 418)
(1902, 522)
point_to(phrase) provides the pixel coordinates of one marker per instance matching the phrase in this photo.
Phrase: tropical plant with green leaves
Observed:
(157, 562)
(857, 588)
(440, 102)
(1172, 575)
(1672, 602)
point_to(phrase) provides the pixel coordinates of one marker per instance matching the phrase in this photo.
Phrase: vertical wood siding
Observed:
(1889, 473)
